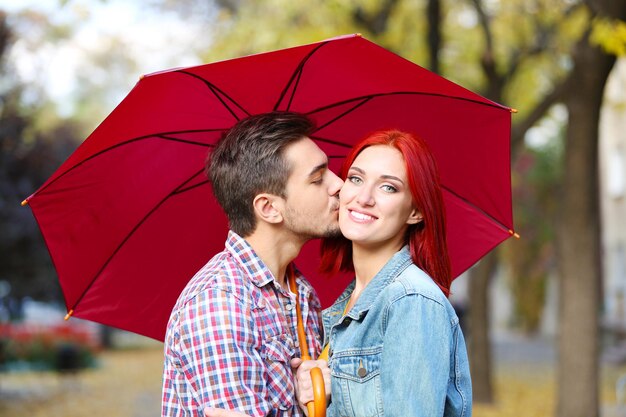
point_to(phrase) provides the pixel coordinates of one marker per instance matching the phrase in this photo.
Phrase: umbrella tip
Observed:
(513, 110)
(24, 202)
(68, 315)
(514, 234)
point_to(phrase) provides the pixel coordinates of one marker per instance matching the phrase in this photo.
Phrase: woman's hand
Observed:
(302, 376)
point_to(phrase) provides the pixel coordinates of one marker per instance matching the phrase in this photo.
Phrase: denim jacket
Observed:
(399, 351)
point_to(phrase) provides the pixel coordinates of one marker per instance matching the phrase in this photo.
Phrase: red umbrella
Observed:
(130, 217)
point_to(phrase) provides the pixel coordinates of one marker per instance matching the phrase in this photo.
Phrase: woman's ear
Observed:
(267, 208)
(415, 217)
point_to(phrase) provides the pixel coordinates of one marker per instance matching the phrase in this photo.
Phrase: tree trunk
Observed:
(479, 345)
(578, 237)
(433, 13)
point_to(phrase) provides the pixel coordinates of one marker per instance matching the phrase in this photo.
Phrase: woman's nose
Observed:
(364, 198)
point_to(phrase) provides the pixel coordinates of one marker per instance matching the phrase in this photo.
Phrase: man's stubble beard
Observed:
(308, 231)
(333, 231)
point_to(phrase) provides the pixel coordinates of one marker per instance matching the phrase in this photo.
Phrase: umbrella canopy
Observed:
(130, 217)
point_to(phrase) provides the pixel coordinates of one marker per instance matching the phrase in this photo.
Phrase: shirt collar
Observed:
(249, 261)
(257, 271)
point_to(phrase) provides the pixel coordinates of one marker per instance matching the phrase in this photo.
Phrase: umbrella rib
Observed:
(393, 93)
(131, 233)
(150, 136)
(297, 73)
(295, 87)
(185, 141)
(478, 209)
(365, 100)
(332, 142)
(191, 187)
(213, 89)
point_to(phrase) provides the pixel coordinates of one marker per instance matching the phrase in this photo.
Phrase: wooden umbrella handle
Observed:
(317, 407)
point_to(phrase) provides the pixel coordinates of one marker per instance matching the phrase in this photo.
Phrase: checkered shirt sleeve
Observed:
(215, 354)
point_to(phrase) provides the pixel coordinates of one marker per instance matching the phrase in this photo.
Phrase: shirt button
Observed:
(289, 306)
(361, 372)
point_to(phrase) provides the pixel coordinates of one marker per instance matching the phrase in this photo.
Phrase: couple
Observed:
(393, 341)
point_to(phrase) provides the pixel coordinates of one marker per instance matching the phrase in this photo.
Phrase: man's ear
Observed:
(415, 217)
(267, 208)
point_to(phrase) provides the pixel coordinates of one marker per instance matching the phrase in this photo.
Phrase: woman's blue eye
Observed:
(354, 179)
(388, 188)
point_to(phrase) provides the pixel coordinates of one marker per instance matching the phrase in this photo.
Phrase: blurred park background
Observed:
(544, 315)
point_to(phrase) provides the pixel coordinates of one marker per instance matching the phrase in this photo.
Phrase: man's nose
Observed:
(335, 184)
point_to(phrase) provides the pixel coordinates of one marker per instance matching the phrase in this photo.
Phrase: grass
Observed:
(530, 391)
(124, 384)
(527, 391)
(127, 383)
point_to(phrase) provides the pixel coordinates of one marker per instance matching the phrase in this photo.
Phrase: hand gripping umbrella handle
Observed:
(317, 407)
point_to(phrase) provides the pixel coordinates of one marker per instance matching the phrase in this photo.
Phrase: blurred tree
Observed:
(434, 18)
(35, 138)
(528, 65)
(537, 173)
(27, 157)
(105, 72)
(104, 66)
(580, 88)
(578, 237)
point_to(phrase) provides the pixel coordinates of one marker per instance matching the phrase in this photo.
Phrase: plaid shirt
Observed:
(231, 336)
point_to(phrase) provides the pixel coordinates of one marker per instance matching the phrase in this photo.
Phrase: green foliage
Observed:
(545, 35)
(263, 26)
(610, 34)
(543, 31)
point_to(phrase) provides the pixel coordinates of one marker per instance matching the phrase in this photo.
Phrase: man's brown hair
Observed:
(249, 159)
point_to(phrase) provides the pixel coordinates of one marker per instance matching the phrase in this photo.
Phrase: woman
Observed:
(395, 345)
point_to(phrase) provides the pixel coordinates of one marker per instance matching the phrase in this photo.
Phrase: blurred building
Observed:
(613, 199)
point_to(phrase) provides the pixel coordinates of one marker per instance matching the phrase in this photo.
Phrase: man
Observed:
(232, 332)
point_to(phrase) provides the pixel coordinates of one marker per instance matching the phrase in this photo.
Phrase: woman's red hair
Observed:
(427, 239)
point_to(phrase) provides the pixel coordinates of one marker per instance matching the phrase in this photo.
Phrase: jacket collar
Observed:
(398, 263)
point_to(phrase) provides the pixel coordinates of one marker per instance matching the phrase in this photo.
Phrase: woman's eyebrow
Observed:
(385, 177)
(392, 177)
